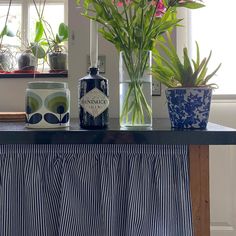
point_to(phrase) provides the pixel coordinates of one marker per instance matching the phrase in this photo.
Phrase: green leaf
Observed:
(172, 54)
(86, 3)
(108, 36)
(6, 32)
(198, 54)
(172, 65)
(200, 80)
(187, 67)
(39, 29)
(213, 73)
(197, 71)
(191, 5)
(202, 75)
(63, 31)
(38, 50)
(44, 43)
(59, 39)
(99, 10)
(10, 33)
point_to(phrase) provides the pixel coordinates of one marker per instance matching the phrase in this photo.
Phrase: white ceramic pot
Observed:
(47, 105)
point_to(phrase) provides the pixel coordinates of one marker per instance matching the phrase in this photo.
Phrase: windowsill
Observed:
(224, 97)
(63, 74)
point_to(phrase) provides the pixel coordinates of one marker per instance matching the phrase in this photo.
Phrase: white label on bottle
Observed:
(95, 102)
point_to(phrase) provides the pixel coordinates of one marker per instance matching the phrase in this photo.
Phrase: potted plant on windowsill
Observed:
(188, 93)
(5, 53)
(57, 54)
(28, 59)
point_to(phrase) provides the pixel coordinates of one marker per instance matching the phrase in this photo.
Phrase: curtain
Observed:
(94, 190)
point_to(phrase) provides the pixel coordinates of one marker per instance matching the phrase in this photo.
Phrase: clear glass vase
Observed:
(135, 88)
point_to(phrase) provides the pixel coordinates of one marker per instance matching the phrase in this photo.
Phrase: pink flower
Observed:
(120, 3)
(161, 9)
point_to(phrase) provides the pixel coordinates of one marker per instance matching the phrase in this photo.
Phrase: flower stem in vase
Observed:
(135, 93)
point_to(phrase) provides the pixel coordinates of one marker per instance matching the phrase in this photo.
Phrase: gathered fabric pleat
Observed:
(94, 190)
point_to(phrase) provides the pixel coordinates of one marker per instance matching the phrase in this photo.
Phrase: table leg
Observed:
(199, 185)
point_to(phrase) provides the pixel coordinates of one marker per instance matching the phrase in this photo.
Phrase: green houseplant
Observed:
(57, 54)
(5, 53)
(133, 26)
(33, 51)
(189, 91)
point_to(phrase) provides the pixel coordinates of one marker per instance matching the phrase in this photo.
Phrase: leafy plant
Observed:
(130, 24)
(37, 45)
(172, 72)
(52, 41)
(56, 42)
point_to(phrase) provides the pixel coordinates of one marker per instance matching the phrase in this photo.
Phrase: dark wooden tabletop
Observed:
(160, 133)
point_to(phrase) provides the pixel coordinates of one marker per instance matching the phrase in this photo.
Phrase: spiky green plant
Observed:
(172, 72)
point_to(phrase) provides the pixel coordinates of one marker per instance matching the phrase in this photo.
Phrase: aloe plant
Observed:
(172, 72)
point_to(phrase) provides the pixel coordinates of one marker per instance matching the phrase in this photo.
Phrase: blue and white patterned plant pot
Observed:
(189, 108)
(47, 105)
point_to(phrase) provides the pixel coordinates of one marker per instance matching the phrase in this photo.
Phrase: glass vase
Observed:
(135, 88)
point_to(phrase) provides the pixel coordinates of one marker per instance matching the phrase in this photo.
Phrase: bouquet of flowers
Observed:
(134, 26)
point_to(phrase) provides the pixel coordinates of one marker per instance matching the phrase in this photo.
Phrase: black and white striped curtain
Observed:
(94, 190)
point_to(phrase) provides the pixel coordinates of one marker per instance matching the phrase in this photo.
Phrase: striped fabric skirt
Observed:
(94, 190)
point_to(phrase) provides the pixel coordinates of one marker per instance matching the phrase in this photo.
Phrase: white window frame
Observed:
(183, 39)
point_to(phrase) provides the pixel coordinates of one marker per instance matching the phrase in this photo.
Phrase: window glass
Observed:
(21, 21)
(214, 29)
(14, 22)
(53, 14)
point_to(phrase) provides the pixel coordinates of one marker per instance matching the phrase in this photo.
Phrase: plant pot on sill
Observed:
(5, 61)
(58, 61)
(189, 107)
(27, 61)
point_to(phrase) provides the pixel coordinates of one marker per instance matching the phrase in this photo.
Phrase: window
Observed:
(213, 28)
(22, 19)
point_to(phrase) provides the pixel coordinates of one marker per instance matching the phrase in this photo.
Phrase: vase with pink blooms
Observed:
(134, 26)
